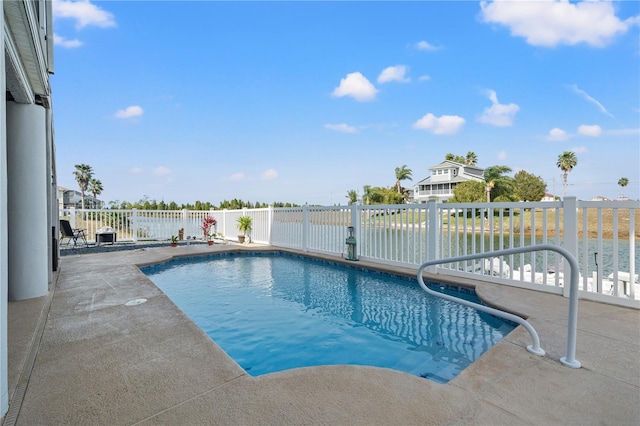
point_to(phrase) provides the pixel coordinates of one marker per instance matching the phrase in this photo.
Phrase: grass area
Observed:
(594, 217)
(540, 220)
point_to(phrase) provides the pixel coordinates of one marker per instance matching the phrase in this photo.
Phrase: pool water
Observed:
(273, 312)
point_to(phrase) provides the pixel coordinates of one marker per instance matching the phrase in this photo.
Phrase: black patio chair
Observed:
(72, 234)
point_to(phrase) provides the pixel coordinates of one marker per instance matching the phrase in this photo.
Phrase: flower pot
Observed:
(210, 242)
(241, 239)
(174, 244)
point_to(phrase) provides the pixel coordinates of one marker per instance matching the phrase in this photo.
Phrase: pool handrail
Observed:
(569, 360)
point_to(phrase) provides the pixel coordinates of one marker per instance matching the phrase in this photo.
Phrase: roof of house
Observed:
(449, 163)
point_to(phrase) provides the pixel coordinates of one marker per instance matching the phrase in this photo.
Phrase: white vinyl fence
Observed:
(602, 236)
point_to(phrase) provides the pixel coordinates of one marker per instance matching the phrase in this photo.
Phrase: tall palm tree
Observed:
(496, 182)
(83, 174)
(95, 187)
(402, 173)
(623, 181)
(566, 162)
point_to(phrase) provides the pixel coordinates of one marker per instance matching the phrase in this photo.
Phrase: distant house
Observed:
(599, 198)
(549, 197)
(68, 198)
(444, 178)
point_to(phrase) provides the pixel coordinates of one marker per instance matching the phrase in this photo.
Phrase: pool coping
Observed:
(92, 346)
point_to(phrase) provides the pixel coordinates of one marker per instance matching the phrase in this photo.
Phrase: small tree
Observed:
(528, 187)
(245, 225)
(352, 195)
(471, 191)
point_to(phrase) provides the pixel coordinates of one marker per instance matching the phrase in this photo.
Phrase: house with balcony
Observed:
(444, 178)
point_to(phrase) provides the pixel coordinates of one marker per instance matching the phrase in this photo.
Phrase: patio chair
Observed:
(72, 234)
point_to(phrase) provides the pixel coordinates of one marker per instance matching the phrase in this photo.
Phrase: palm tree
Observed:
(366, 195)
(352, 195)
(95, 187)
(496, 182)
(623, 181)
(402, 173)
(566, 162)
(471, 159)
(83, 174)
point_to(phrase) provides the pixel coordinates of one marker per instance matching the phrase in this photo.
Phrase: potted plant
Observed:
(174, 241)
(245, 224)
(209, 228)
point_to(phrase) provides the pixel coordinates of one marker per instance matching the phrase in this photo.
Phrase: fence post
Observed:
(570, 240)
(357, 226)
(185, 213)
(269, 222)
(134, 222)
(72, 217)
(224, 224)
(432, 233)
(305, 227)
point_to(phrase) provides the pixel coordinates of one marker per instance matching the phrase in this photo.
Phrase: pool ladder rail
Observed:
(569, 360)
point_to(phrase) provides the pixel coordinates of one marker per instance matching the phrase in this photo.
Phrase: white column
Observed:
(4, 256)
(27, 201)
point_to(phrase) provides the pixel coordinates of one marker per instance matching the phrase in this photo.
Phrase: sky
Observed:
(303, 101)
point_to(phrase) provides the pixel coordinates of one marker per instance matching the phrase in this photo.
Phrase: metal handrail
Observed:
(569, 360)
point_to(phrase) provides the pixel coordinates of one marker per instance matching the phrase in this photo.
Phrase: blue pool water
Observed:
(272, 312)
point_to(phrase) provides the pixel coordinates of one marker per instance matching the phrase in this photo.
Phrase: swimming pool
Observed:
(275, 311)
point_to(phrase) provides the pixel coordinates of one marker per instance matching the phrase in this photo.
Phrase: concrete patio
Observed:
(93, 360)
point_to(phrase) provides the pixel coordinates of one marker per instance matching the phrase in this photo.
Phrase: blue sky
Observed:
(303, 101)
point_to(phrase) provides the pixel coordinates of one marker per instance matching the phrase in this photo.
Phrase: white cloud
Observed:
(357, 86)
(498, 114)
(395, 73)
(128, 112)
(443, 125)
(502, 155)
(424, 78)
(136, 171)
(237, 176)
(269, 174)
(162, 171)
(84, 13)
(551, 22)
(425, 45)
(557, 135)
(63, 42)
(593, 131)
(343, 128)
(585, 95)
